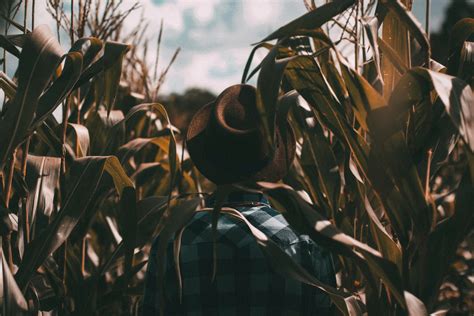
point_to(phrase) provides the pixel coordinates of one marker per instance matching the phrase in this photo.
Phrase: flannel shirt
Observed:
(245, 283)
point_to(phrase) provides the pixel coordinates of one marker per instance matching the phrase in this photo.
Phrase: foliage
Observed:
(182, 107)
(456, 11)
(377, 138)
(383, 176)
(77, 199)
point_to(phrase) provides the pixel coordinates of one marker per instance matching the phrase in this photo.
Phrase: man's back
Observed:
(245, 283)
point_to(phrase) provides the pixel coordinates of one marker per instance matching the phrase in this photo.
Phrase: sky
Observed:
(215, 36)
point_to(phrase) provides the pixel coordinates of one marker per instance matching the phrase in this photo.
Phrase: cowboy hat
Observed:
(227, 143)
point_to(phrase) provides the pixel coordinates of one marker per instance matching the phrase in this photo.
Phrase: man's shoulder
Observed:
(268, 220)
(272, 223)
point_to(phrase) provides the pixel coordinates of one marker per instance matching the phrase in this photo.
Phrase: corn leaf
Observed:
(89, 47)
(113, 71)
(286, 266)
(179, 215)
(245, 74)
(371, 29)
(312, 19)
(460, 33)
(410, 23)
(331, 236)
(268, 87)
(12, 300)
(60, 88)
(82, 139)
(10, 47)
(113, 53)
(38, 61)
(83, 180)
(444, 239)
(43, 182)
(7, 85)
(128, 207)
(455, 94)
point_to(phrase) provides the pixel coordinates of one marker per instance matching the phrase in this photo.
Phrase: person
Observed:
(227, 144)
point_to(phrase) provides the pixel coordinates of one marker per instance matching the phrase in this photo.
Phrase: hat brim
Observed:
(275, 169)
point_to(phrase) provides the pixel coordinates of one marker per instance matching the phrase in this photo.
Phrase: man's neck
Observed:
(240, 198)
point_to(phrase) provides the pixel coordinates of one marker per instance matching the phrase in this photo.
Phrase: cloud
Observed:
(204, 13)
(174, 12)
(215, 49)
(153, 14)
(215, 36)
(262, 12)
(213, 70)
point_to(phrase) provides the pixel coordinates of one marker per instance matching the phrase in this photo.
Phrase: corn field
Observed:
(92, 169)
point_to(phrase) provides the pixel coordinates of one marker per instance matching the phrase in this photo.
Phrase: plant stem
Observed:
(27, 223)
(58, 23)
(33, 4)
(5, 56)
(79, 19)
(78, 121)
(428, 171)
(427, 18)
(72, 22)
(65, 262)
(66, 108)
(83, 256)
(62, 262)
(24, 157)
(24, 160)
(8, 189)
(356, 42)
(7, 245)
(25, 17)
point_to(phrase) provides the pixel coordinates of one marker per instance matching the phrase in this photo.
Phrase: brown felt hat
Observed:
(227, 144)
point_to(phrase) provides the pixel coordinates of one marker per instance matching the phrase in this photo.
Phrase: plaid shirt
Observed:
(245, 283)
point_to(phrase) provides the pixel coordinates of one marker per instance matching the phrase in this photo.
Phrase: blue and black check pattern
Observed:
(245, 282)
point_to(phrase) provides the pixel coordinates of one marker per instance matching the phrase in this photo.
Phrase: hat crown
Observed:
(227, 142)
(236, 110)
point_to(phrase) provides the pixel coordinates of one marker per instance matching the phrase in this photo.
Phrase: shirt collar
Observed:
(240, 198)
